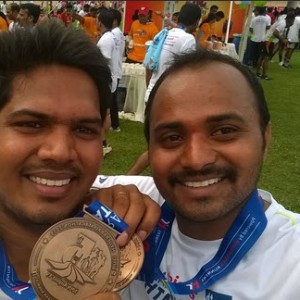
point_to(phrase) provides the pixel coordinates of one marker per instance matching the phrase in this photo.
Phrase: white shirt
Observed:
(259, 25)
(293, 35)
(120, 48)
(270, 270)
(178, 41)
(107, 45)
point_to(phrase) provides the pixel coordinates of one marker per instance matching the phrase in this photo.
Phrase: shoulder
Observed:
(145, 184)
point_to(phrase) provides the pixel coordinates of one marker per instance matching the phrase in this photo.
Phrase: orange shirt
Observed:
(3, 24)
(90, 28)
(204, 32)
(141, 33)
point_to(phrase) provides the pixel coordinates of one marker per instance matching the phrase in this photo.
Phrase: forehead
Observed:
(55, 88)
(210, 89)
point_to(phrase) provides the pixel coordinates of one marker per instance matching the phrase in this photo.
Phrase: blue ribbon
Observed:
(241, 236)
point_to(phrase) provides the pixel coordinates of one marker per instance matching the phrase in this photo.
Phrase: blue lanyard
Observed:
(241, 236)
(10, 284)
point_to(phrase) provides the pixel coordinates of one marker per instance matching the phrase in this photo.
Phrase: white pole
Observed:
(228, 23)
(244, 39)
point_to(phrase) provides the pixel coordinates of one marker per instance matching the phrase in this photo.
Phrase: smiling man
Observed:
(54, 87)
(208, 129)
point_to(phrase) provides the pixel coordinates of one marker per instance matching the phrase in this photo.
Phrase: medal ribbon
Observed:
(241, 236)
(10, 283)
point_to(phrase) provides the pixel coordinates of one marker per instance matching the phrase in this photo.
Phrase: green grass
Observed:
(280, 174)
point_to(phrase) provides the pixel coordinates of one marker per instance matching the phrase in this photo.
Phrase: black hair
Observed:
(189, 14)
(106, 17)
(51, 43)
(215, 7)
(220, 14)
(117, 16)
(210, 17)
(198, 59)
(33, 11)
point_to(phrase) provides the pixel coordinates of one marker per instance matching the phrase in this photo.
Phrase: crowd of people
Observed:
(208, 231)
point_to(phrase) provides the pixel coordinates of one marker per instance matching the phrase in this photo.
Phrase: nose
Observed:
(198, 152)
(59, 145)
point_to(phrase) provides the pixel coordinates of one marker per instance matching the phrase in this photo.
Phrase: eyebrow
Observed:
(43, 116)
(210, 119)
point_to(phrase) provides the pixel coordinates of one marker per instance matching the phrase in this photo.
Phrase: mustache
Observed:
(211, 171)
(53, 166)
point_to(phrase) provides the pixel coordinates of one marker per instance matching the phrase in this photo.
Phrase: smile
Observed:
(204, 183)
(49, 182)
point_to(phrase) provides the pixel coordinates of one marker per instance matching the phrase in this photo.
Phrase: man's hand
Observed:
(138, 210)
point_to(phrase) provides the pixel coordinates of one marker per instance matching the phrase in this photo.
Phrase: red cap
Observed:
(143, 10)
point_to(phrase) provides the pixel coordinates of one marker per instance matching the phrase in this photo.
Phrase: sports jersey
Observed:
(270, 269)
(140, 33)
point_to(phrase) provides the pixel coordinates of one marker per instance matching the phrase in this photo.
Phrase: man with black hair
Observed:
(120, 48)
(258, 28)
(107, 45)
(208, 130)
(28, 15)
(54, 87)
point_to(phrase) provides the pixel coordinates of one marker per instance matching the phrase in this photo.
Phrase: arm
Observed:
(148, 78)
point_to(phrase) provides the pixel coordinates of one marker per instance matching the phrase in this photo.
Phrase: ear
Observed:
(267, 139)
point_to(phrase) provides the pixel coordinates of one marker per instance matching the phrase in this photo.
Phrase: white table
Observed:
(134, 80)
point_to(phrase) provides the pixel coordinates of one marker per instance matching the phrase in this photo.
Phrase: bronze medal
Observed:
(74, 259)
(132, 257)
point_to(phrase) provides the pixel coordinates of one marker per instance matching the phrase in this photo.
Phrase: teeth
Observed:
(202, 183)
(49, 182)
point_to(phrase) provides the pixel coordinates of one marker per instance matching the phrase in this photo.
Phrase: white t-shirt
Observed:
(120, 48)
(259, 25)
(270, 270)
(293, 35)
(279, 26)
(177, 41)
(107, 45)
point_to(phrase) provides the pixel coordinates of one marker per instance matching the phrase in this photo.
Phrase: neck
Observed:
(18, 238)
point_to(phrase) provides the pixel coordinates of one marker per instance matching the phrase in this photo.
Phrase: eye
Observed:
(226, 133)
(170, 140)
(29, 124)
(224, 130)
(88, 132)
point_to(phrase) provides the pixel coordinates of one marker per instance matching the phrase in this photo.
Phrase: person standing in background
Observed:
(107, 46)
(140, 32)
(28, 15)
(120, 49)
(12, 14)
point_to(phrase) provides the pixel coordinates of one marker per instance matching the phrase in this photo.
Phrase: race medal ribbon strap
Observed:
(10, 283)
(241, 236)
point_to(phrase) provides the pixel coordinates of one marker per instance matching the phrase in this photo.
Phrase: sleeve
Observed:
(145, 184)
(189, 44)
(106, 47)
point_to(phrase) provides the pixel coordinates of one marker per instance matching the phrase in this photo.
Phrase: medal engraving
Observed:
(132, 257)
(73, 259)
